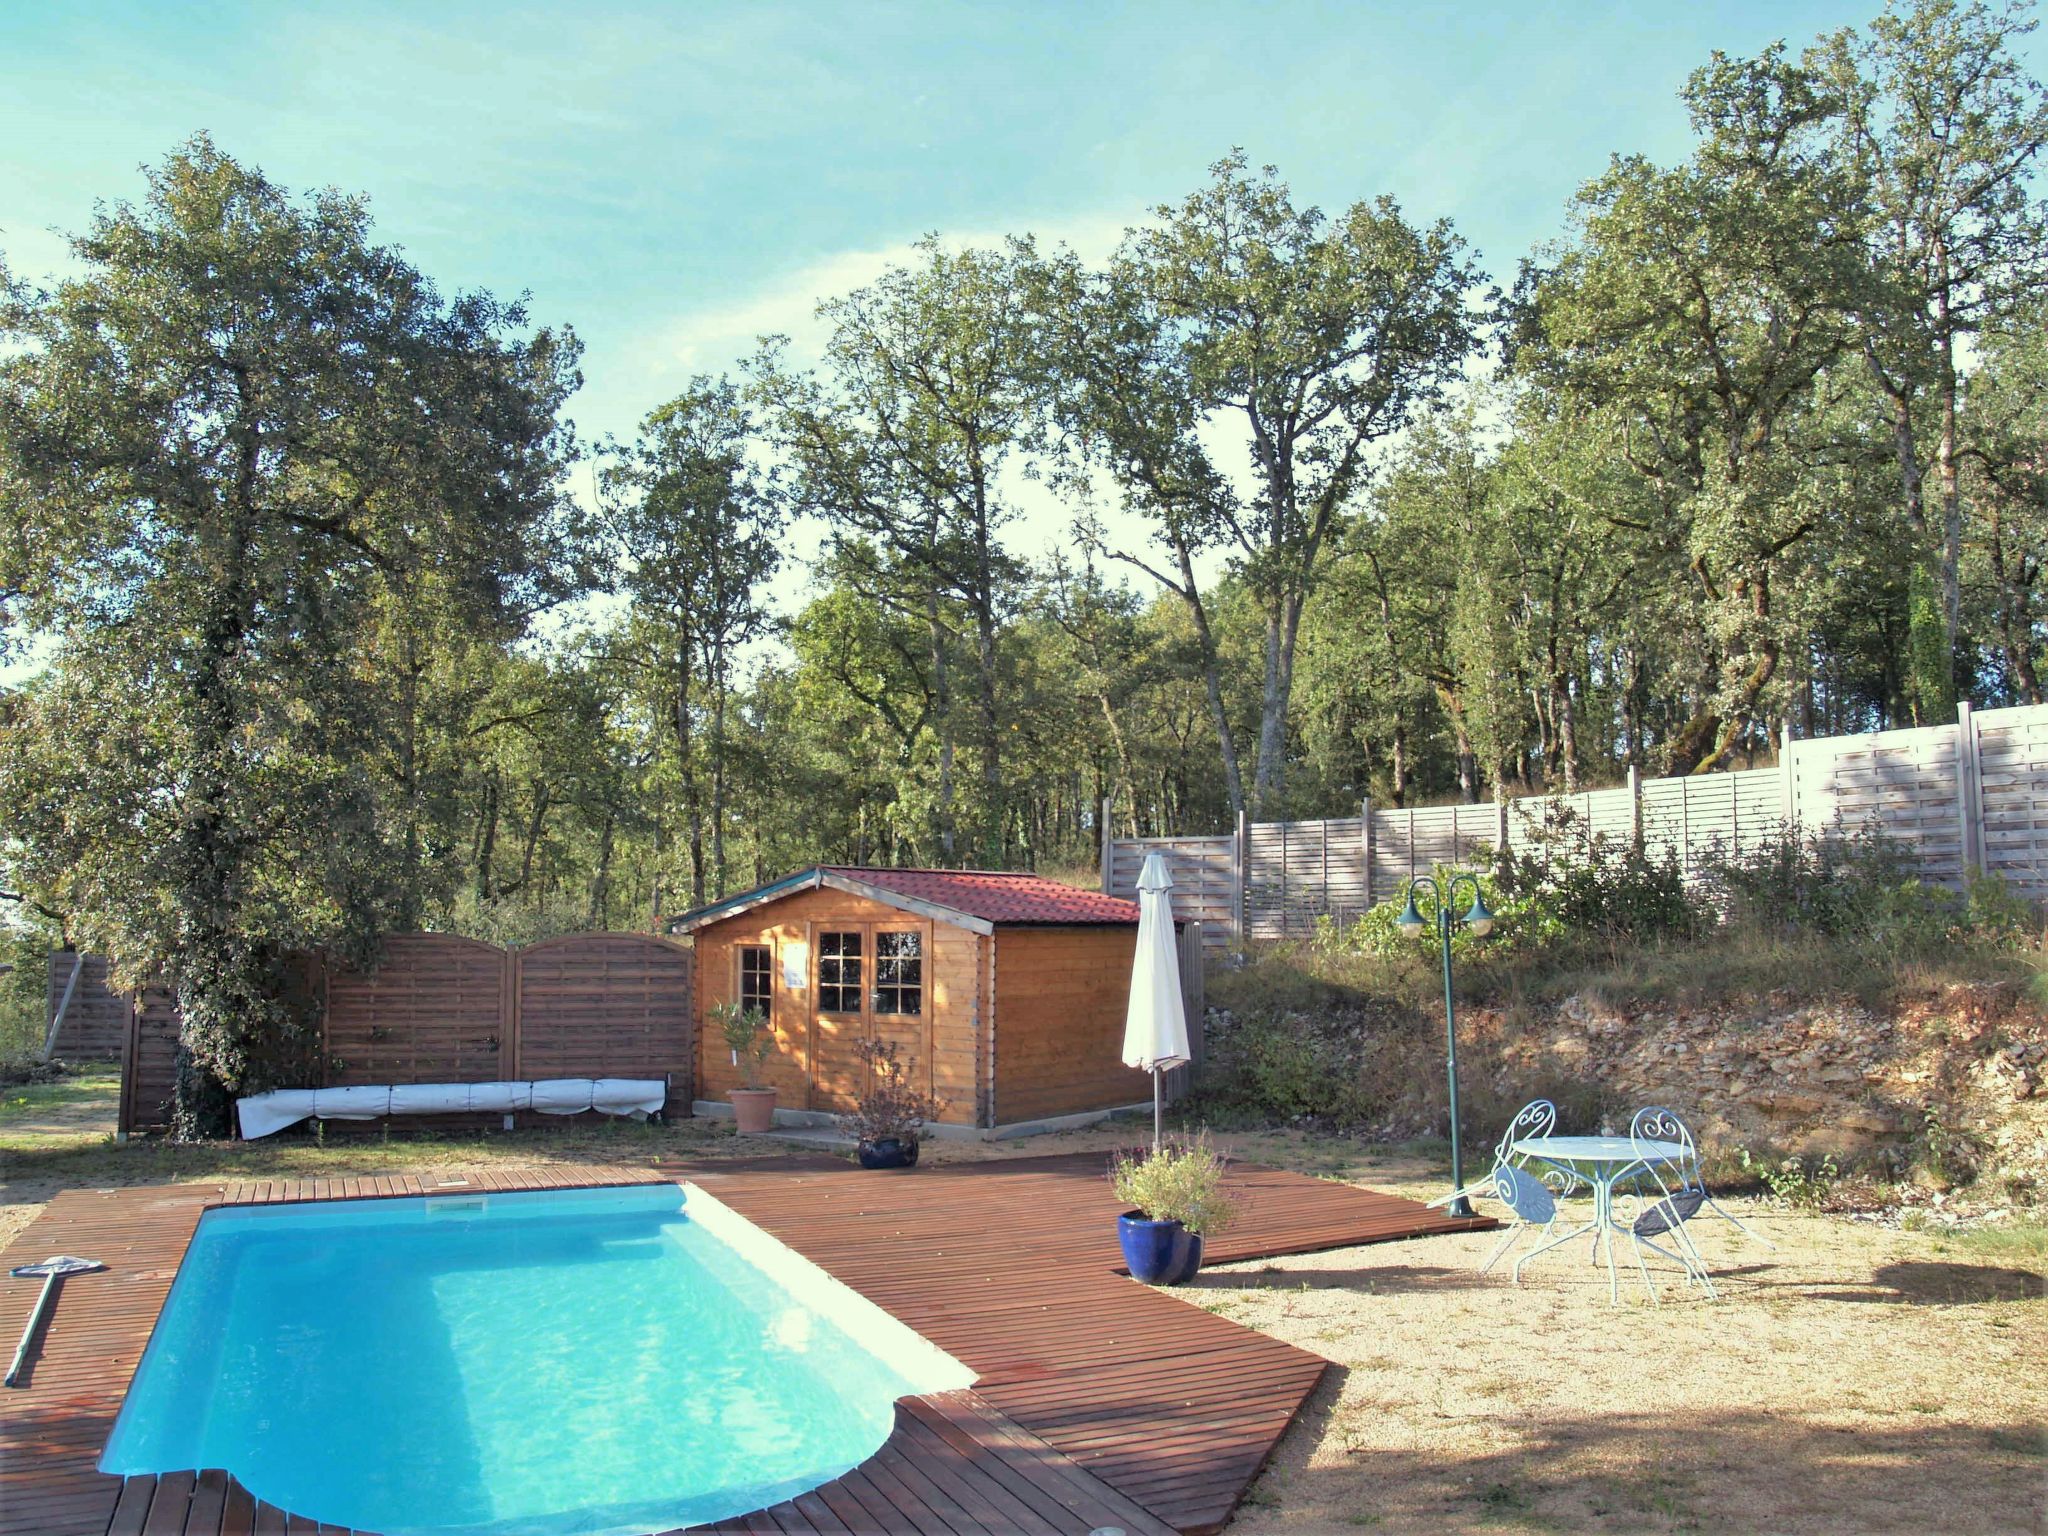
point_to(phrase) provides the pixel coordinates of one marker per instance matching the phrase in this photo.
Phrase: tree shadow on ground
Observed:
(1930, 1283)
(1739, 1470)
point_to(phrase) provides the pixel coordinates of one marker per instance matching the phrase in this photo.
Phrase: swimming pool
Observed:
(559, 1363)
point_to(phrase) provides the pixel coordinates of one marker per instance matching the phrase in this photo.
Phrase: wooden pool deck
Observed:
(1100, 1402)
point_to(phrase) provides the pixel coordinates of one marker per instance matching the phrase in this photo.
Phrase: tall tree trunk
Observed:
(686, 771)
(720, 692)
(1948, 477)
(215, 972)
(487, 840)
(942, 716)
(601, 881)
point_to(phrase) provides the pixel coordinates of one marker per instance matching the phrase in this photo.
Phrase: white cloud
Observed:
(718, 336)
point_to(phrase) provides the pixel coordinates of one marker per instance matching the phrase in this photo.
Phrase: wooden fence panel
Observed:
(606, 1005)
(1416, 840)
(95, 1024)
(436, 1009)
(1901, 783)
(2012, 806)
(1205, 878)
(1297, 870)
(1973, 795)
(149, 1065)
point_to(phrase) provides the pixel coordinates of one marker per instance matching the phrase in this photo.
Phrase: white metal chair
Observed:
(1679, 1194)
(1529, 1200)
(1538, 1117)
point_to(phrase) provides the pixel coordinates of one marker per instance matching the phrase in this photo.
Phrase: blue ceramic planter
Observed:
(889, 1152)
(1158, 1252)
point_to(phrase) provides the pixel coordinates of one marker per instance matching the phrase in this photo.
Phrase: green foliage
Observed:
(1862, 888)
(746, 1034)
(231, 445)
(1586, 883)
(1520, 921)
(886, 1106)
(1807, 1184)
(1181, 1181)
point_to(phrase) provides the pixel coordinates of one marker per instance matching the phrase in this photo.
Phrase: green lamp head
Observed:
(1410, 920)
(1479, 919)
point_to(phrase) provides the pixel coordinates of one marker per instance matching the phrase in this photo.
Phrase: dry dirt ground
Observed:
(1859, 1379)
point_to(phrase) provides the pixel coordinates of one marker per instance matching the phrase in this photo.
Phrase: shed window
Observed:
(757, 978)
(839, 979)
(899, 973)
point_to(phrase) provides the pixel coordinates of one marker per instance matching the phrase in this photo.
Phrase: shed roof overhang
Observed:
(819, 878)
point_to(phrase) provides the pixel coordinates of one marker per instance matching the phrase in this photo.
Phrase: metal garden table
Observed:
(1602, 1161)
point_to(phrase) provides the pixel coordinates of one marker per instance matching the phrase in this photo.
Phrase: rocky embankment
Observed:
(1945, 1089)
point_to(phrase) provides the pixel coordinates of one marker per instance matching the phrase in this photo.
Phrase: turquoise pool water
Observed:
(574, 1363)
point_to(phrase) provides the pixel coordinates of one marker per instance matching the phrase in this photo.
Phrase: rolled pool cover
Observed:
(262, 1114)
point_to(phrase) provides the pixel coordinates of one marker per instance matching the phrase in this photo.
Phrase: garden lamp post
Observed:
(1443, 894)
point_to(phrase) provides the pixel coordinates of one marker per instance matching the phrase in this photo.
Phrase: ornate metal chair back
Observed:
(1538, 1117)
(1654, 1123)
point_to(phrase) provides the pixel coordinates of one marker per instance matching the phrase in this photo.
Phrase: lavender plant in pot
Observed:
(747, 1035)
(889, 1115)
(1177, 1198)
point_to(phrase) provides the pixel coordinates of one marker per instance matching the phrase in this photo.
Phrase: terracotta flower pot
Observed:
(753, 1109)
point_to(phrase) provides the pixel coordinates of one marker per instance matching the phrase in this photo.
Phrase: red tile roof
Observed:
(996, 896)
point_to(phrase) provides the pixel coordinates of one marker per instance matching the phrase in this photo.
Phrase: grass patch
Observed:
(2023, 1242)
(98, 1161)
(28, 1101)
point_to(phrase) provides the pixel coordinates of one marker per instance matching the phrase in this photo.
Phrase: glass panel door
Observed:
(840, 983)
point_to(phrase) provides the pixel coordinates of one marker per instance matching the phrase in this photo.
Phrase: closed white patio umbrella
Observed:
(1155, 1026)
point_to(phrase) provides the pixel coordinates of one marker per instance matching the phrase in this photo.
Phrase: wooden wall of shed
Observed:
(948, 1060)
(1060, 1000)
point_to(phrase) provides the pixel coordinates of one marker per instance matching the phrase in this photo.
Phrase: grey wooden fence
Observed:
(1972, 796)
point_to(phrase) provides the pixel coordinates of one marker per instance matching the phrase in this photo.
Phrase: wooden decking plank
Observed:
(169, 1504)
(982, 1496)
(1100, 1402)
(209, 1505)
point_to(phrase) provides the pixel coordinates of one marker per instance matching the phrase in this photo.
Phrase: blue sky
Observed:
(670, 180)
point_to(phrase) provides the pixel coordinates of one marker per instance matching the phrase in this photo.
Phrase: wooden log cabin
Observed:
(1004, 992)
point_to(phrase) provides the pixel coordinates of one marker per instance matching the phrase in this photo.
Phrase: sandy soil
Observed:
(1859, 1379)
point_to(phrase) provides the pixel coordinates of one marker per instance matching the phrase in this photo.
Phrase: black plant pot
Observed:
(889, 1152)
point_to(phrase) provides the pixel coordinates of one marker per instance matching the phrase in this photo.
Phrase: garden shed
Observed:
(1004, 992)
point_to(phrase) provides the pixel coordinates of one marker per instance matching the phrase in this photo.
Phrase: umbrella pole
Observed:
(1155, 1109)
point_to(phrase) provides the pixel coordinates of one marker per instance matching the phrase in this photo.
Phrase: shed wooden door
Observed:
(867, 979)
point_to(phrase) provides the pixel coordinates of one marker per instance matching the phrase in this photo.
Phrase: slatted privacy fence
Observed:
(1972, 796)
(2009, 769)
(1207, 872)
(83, 1018)
(445, 1009)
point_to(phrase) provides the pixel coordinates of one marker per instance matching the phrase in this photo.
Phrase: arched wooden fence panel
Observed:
(435, 1010)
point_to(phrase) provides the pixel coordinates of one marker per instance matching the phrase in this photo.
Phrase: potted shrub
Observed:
(888, 1114)
(1177, 1199)
(750, 1040)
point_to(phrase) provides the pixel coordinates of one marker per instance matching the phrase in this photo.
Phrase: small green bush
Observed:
(1862, 887)
(1793, 1181)
(746, 1034)
(1180, 1182)
(1587, 883)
